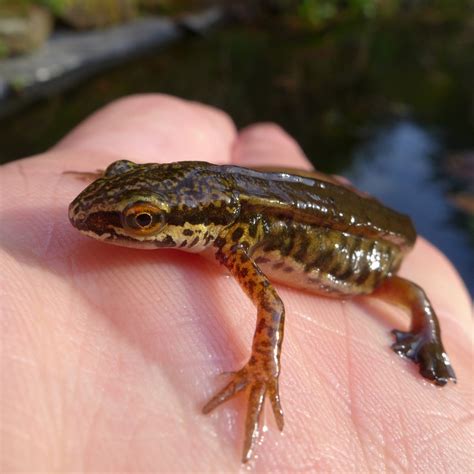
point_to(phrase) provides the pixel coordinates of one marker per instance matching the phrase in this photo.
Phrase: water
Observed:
(396, 166)
(383, 103)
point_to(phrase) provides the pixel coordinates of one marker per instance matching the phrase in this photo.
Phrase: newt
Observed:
(299, 228)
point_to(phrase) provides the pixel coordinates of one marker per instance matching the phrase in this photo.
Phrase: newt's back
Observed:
(306, 199)
(320, 235)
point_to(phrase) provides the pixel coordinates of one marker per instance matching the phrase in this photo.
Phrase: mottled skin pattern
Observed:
(303, 229)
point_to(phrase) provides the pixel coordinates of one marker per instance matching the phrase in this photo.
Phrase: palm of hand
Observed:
(109, 353)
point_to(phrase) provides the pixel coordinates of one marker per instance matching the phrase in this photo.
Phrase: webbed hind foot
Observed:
(422, 343)
(428, 353)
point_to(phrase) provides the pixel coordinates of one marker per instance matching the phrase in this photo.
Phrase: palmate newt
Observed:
(304, 229)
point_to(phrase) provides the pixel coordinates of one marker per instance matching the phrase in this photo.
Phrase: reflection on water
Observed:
(326, 88)
(397, 167)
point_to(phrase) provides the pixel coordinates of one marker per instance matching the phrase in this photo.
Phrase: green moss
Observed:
(3, 49)
(319, 12)
(55, 6)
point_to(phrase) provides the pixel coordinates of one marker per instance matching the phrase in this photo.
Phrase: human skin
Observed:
(108, 354)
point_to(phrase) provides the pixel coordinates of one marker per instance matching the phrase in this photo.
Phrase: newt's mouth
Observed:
(100, 222)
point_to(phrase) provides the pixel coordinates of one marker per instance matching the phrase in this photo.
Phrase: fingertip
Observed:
(267, 144)
(157, 128)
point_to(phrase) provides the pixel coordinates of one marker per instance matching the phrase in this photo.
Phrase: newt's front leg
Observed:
(259, 376)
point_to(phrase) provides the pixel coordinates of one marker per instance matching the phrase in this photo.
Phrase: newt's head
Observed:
(154, 205)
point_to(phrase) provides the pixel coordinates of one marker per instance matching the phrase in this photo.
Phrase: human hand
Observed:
(109, 353)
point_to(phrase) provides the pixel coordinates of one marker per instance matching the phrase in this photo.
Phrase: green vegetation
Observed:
(319, 12)
(55, 6)
(3, 49)
(315, 13)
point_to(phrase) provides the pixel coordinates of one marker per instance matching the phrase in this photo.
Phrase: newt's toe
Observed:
(257, 384)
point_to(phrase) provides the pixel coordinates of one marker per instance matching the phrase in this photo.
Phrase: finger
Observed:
(155, 128)
(268, 144)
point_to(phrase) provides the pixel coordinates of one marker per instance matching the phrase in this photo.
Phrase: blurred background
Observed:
(380, 91)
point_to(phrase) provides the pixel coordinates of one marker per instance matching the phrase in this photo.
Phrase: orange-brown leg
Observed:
(259, 376)
(422, 343)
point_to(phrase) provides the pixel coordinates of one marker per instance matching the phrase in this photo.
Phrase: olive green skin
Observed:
(304, 229)
(334, 239)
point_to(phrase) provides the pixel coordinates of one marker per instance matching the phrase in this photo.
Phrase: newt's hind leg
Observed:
(422, 343)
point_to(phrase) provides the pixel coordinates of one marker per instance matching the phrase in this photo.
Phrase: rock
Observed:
(70, 56)
(23, 28)
(83, 14)
(198, 23)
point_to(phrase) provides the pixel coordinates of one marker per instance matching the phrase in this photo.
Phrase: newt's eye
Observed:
(143, 218)
(119, 167)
